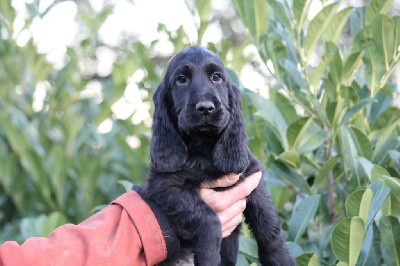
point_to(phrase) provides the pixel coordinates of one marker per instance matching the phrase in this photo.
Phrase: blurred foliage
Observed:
(328, 130)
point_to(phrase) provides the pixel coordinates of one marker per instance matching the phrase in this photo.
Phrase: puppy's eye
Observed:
(182, 79)
(216, 77)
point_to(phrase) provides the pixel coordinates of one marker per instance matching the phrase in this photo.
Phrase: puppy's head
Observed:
(196, 97)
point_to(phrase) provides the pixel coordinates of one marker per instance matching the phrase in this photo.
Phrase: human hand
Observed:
(229, 204)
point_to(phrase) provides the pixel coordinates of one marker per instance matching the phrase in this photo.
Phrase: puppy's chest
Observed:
(201, 167)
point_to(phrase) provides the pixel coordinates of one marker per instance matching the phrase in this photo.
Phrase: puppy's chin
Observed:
(206, 129)
(203, 126)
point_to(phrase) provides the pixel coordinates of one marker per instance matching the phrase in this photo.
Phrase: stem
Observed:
(329, 182)
(389, 71)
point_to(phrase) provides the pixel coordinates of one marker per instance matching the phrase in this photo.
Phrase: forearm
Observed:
(124, 233)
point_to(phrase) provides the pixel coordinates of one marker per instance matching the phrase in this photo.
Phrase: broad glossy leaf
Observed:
(367, 249)
(254, 14)
(300, 10)
(279, 171)
(301, 216)
(358, 204)
(380, 193)
(318, 73)
(351, 66)
(285, 107)
(376, 7)
(325, 169)
(385, 137)
(294, 129)
(364, 147)
(293, 73)
(335, 27)
(280, 195)
(290, 157)
(386, 32)
(271, 114)
(391, 206)
(127, 185)
(281, 12)
(355, 108)
(380, 173)
(311, 141)
(349, 149)
(294, 249)
(347, 239)
(308, 138)
(248, 246)
(41, 225)
(307, 259)
(389, 228)
(317, 28)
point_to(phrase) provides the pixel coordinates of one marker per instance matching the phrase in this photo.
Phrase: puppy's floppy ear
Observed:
(168, 152)
(231, 154)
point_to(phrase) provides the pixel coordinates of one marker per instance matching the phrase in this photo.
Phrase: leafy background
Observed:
(324, 118)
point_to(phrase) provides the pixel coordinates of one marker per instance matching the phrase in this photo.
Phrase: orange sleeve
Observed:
(124, 233)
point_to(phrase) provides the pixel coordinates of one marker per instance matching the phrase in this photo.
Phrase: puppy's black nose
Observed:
(205, 107)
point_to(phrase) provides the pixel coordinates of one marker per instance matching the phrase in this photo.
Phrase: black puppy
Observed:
(198, 135)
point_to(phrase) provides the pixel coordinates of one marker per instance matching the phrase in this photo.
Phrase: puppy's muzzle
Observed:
(205, 107)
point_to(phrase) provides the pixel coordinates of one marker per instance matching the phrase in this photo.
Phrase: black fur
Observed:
(198, 135)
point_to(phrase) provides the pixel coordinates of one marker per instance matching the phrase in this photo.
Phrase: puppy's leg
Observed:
(263, 221)
(193, 220)
(206, 250)
(230, 248)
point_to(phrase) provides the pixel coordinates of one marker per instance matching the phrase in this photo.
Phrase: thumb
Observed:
(224, 181)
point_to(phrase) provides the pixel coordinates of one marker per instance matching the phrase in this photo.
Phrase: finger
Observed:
(232, 195)
(231, 225)
(236, 209)
(224, 181)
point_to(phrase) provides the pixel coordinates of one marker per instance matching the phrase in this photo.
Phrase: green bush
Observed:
(328, 132)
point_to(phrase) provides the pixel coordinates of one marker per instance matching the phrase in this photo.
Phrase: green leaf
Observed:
(349, 149)
(300, 10)
(335, 27)
(301, 216)
(290, 157)
(347, 239)
(127, 185)
(254, 14)
(294, 129)
(248, 246)
(364, 147)
(386, 42)
(295, 249)
(311, 141)
(325, 169)
(318, 73)
(281, 13)
(376, 7)
(317, 28)
(380, 193)
(380, 173)
(351, 65)
(284, 106)
(389, 228)
(384, 137)
(41, 225)
(271, 114)
(354, 109)
(307, 259)
(281, 172)
(358, 204)
(308, 138)
(365, 257)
